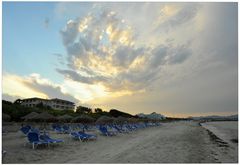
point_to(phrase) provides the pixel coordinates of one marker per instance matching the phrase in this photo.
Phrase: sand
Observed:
(175, 142)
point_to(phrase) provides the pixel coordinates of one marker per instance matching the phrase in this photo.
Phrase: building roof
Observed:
(34, 98)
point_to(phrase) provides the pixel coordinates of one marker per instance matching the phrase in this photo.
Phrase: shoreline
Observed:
(215, 138)
(228, 148)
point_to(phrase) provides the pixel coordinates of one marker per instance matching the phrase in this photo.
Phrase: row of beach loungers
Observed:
(36, 137)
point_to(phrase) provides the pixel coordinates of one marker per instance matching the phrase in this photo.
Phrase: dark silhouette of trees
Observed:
(18, 101)
(6, 102)
(98, 110)
(42, 106)
(116, 113)
(82, 110)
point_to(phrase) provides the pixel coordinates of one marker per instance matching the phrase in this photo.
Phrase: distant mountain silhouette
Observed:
(215, 117)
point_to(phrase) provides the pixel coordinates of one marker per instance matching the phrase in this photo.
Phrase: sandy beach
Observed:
(175, 142)
(227, 135)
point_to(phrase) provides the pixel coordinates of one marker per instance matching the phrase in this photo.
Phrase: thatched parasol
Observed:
(65, 118)
(30, 115)
(45, 117)
(6, 117)
(104, 120)
(83, 119)
(121, 119)
(133, 120)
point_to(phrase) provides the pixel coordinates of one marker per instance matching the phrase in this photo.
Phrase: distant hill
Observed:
(215, 117)
(153, 115)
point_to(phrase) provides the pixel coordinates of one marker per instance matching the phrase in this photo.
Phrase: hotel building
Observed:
(57, 104)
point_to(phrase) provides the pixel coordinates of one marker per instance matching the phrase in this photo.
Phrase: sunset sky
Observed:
(177, 59)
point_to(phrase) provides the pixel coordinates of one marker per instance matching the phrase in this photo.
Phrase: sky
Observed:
(177, 59)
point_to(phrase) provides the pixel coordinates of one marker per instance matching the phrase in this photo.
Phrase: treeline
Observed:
(16, 111)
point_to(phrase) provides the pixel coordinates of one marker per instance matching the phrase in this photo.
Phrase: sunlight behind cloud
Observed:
(83, 92)
(13, 85)
(84, 24)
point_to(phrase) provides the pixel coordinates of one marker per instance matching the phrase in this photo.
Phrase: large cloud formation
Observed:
(103, 48)
(178, 59)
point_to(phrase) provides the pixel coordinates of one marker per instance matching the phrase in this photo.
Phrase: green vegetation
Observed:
(16, 111)
(116, 113)
(98, 110)
(83, 110)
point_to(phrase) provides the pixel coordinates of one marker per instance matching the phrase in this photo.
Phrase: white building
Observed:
(153, 115)
(55, 103)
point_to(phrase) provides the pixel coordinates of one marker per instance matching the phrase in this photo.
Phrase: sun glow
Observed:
(169, 10)
(84, 92)
(14, 85)
(84, 24)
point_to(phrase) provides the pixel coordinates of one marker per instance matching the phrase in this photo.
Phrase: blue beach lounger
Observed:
(66, 129)
(58, 129)
(105, 132)
(33, 138)
(77, 136)
(87, 136)
(47, 138)
(25, 129)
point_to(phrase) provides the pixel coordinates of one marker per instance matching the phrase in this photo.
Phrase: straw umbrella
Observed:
(44, 117)
(104, 120)
(65, 118)
(121, 119)
(133, 120)
(29, 116)
(6, 117)
(83, 119)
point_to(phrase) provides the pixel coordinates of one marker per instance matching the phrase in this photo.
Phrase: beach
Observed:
(173, 142)
(227, 134)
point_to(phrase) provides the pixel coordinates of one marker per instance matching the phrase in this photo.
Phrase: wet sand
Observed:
(225, 133)
(175, 142)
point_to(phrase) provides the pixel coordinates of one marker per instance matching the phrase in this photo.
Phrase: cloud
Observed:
(78, 77)
(179, 54)
(125, 55)
(40, 85)
(103, 48)
(169, 21)
(33, 86)
(69, 34)
(46, 22)
(173, 57)
(11, 98)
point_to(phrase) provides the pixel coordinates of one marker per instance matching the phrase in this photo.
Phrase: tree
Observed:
(98, 110)
(18, 101)
(6, 102)
(116, 113)
(81, 109)
(40, 105)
